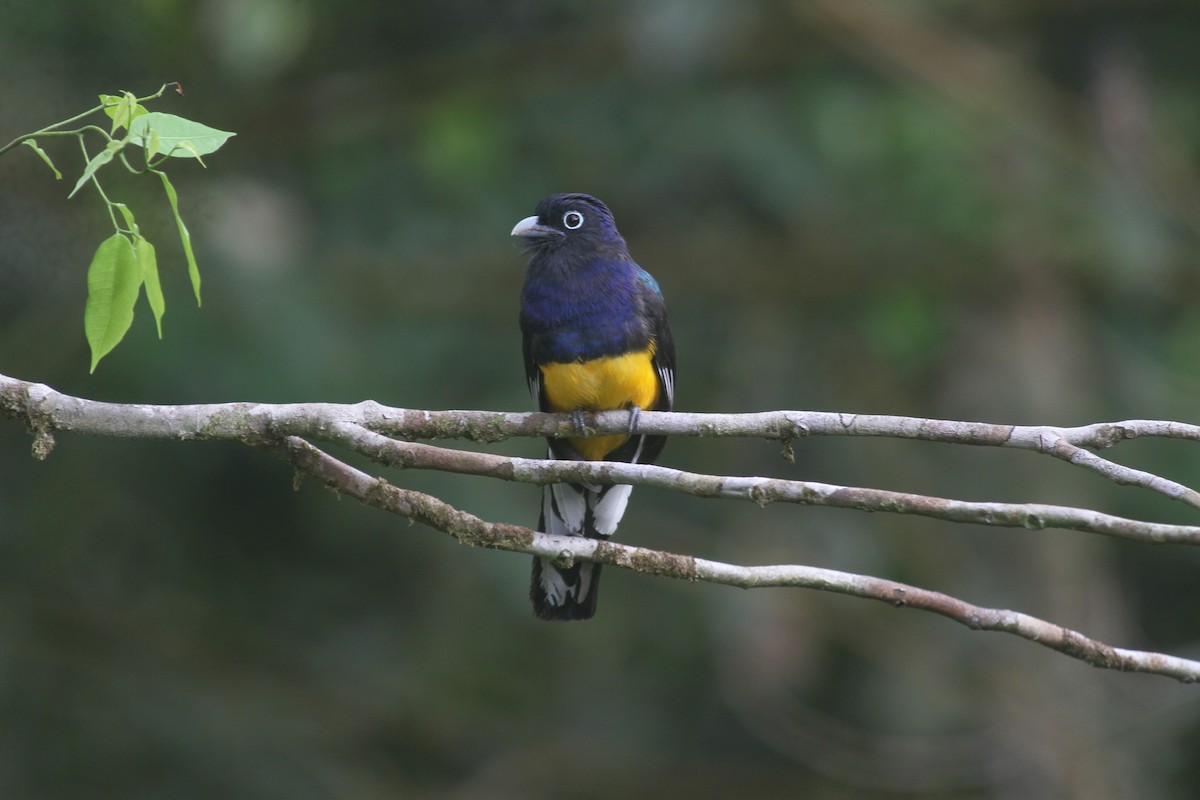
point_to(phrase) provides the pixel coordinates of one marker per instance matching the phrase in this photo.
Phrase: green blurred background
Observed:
(982, 211)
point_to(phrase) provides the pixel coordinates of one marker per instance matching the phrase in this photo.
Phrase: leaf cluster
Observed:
(126, 261)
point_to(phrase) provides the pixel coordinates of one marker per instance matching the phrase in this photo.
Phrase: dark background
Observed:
(983, 211)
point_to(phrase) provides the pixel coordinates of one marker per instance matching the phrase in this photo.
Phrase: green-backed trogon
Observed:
(595, 335)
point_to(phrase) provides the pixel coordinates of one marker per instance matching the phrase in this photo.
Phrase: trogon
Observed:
(595, 337)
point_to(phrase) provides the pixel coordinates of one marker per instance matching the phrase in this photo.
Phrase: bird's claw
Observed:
(634, 413)
(577, 421)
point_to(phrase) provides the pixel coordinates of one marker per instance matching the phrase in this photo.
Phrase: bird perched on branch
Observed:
(595, 335)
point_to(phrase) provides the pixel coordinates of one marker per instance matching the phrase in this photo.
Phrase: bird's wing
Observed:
(664, 346)
(533, 375)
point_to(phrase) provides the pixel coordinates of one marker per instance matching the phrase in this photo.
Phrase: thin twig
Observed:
(54, 128)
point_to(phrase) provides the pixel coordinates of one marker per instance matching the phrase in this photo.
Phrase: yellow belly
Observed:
(602, 384)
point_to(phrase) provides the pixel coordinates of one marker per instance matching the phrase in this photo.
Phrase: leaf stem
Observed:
(108, 204)
(131, 167)
(52, 130)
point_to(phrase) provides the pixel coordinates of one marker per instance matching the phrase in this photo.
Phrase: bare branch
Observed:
(284, 429)
(474, 531)
(48, 410)
(352, 426)
(1035, 516)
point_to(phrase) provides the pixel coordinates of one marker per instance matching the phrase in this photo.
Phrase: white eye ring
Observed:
(573, 220)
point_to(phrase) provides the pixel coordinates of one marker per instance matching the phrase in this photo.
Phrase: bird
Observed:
(595, 337)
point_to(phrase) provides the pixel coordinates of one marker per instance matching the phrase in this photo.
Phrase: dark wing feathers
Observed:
(533, 375)
(664, 353)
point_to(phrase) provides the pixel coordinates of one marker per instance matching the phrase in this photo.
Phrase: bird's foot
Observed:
(634, 413)
(577, 421)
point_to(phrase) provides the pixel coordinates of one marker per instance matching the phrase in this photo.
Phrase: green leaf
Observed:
(184, 236)
(148, 264)
(42, 153)
(122, 109)
(177, 136)
(128, 215)
(113, 283)
(98, 161)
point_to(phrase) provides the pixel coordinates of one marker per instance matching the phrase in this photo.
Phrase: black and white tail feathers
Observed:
(572, 509)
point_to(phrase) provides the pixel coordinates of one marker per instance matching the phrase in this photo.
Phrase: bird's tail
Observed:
(570, 509)
(561, 595)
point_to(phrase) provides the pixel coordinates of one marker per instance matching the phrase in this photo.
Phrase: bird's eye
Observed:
(573, 220)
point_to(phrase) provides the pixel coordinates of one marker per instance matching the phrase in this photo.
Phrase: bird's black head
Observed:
(570, 222)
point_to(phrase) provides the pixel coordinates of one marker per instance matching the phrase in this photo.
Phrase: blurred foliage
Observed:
(953, 209)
